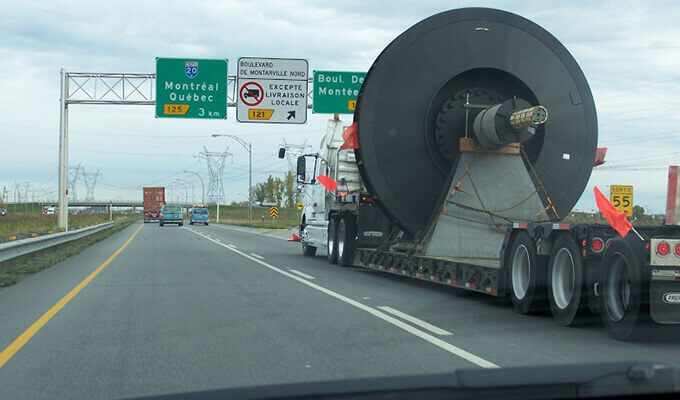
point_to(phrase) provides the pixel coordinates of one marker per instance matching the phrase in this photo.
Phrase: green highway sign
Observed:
(336, 92)
(191, 88)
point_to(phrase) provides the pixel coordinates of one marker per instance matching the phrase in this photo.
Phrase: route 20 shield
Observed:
(191, 69)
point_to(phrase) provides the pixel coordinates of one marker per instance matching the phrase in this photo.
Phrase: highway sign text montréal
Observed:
(272, 90)
(191, 88)
(336, 92)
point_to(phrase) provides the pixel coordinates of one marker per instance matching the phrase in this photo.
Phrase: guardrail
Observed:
(22, 247)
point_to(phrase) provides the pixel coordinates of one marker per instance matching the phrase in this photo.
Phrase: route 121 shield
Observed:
(191, 69)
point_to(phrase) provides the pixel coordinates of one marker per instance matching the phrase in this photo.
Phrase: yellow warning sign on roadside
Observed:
(273, 212)
(299, 206)
(621, 197)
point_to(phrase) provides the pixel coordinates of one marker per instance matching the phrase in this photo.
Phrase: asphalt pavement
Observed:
(205, 307)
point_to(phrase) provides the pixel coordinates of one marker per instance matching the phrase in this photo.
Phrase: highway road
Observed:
(161, 310)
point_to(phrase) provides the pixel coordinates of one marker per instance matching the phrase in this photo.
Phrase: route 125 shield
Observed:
(191, 69)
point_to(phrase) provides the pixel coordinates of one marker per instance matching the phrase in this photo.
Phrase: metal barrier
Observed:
(18, 248)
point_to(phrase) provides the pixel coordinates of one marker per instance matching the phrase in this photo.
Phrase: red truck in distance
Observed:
(153, 200)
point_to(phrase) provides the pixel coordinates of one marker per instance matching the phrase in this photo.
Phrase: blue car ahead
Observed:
(199, 215)
(171, 214)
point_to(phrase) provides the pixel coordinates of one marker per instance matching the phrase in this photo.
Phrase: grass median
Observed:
(14, 270)
(238, 215)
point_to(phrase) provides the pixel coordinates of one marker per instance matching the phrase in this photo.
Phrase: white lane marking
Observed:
(416, 321)
(257, 256)
(231, 246)
(378, 314)
(302, 274)
(247, 231)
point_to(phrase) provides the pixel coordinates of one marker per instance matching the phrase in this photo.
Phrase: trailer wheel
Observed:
(346, 241)
(625, 298)
(566, 276)
(527, 276)
(331, 240)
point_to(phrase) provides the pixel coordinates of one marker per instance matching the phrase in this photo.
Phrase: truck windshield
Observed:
(200, 210)
(172, 209)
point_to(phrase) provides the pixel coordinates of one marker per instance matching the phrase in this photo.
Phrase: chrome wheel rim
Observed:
(563, 277)
(521, 272)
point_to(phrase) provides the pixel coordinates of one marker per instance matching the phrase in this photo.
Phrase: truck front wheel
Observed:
(566, 276)
(625, 298)
(331, 240)
(308, 251)
(527, 276)
(346, 241)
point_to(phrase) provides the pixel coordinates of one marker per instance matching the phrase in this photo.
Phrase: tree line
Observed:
(282, 191)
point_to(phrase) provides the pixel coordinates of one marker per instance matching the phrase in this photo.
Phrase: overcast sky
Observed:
(628, 50)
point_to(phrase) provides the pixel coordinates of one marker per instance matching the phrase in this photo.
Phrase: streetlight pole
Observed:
(202, 184)
(249, 148)
(192, 188)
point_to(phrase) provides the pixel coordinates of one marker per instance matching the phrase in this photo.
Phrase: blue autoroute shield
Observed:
(191, 69)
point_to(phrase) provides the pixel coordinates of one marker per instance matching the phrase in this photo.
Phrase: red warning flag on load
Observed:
(599, 156)
(328, 182)
(350, 136)
(617, 219)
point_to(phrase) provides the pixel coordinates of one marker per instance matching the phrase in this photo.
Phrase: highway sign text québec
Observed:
(191, 88)
(272, 90)
(336, 92)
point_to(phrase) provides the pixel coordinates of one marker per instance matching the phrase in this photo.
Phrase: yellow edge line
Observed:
(19, 342)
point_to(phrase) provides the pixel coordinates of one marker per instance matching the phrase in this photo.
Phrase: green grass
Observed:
(237, 215)
(14, 270)
(21, 224)
(585, 218)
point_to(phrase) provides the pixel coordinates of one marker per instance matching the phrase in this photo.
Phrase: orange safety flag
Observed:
(328, 182)
(350, 136)
(617, 219)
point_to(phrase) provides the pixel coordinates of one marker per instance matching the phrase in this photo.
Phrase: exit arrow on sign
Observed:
(291, 114)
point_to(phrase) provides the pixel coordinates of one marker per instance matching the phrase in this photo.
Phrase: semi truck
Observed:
(153, 199)
(474, 135)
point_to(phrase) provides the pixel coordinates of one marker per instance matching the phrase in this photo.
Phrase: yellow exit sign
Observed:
(260, 113)
(175, 109)
(351, 105)
(621, 197)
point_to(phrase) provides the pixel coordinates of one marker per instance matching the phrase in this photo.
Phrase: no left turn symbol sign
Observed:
(251, 93)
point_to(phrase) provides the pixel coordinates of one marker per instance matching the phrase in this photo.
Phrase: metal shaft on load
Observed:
(527, 117)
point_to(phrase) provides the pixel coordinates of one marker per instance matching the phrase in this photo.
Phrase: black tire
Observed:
(180, 224)
(331, 240)
(347, 230)
(160, 224)
(207, 223)
(308, 251)
(566, 282)
(191, 222)
(625, 289)
(527, 276)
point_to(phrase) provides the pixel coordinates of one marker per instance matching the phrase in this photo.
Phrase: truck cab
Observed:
(330, 218)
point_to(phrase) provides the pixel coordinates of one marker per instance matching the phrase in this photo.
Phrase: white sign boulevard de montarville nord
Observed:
(272, 90)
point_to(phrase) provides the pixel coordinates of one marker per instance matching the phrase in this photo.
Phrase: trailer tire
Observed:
(625, 304)
(331, 240)
(566, 277)
(347, 229)
(160, 224)
(527, 276)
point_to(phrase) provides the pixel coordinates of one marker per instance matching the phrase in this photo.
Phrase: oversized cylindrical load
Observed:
(427, 89)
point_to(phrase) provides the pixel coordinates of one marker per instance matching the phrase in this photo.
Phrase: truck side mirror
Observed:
(301, 168)
(282, 152)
